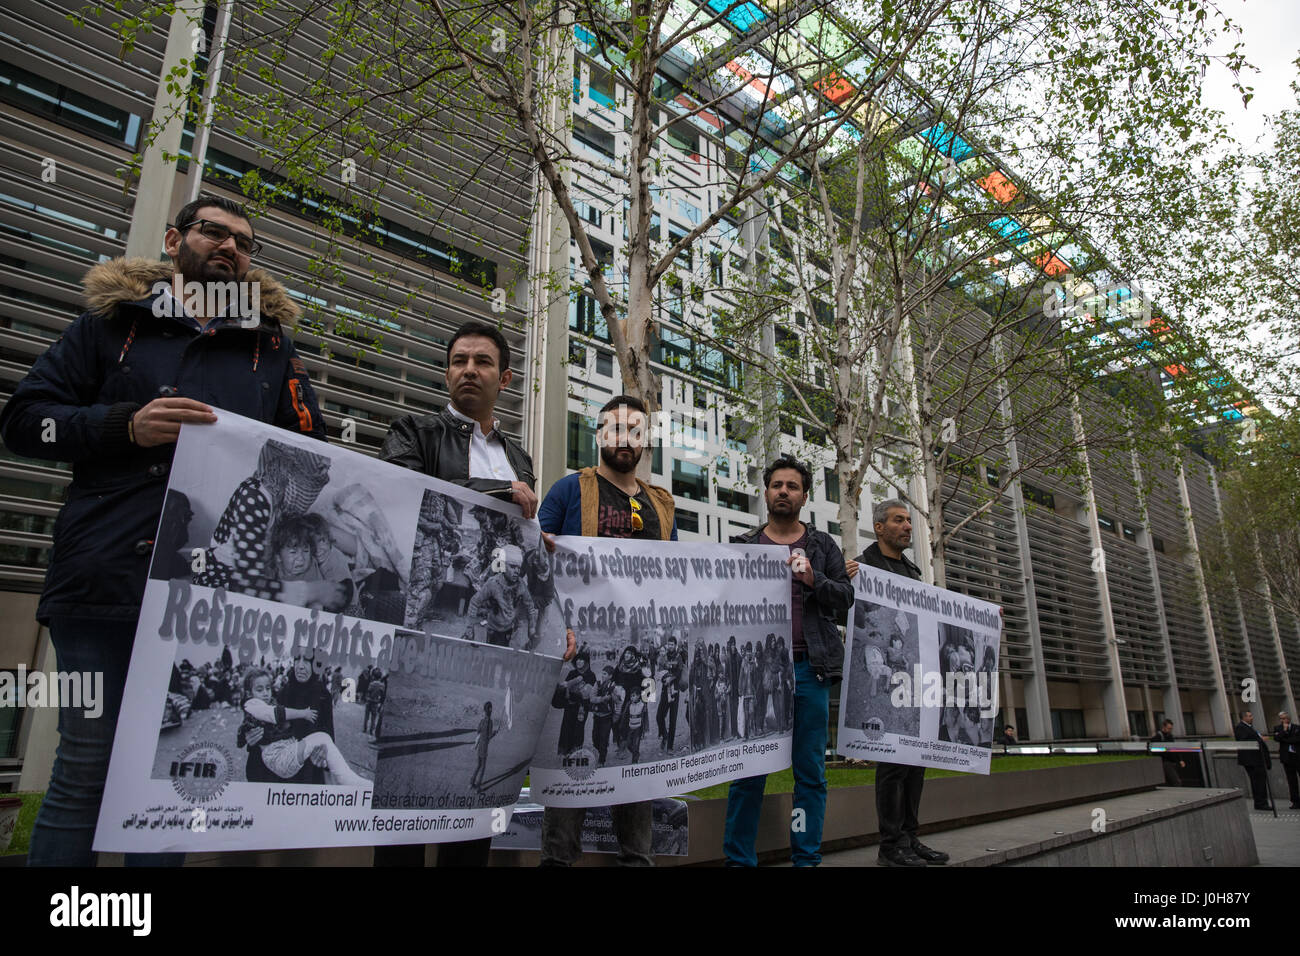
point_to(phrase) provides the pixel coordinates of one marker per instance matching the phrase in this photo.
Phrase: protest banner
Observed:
(920, 675)
(684, 676)
(342, 652)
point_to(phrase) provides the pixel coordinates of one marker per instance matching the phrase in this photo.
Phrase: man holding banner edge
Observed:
(898, 786)
(608, 501)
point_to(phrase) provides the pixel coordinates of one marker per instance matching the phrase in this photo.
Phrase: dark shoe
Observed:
(1295, 806)
(931, 857)
(899, 858)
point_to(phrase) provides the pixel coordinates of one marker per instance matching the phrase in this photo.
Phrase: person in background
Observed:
(1255, 760)
(1287, 737)
(1172, 762)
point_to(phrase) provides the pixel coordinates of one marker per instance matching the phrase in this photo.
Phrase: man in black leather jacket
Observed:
(464, 444)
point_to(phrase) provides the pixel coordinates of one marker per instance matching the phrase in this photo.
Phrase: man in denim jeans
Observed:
(820, 594)
(110, 396)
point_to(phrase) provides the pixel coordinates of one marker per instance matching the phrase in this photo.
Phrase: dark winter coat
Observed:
(115, 358)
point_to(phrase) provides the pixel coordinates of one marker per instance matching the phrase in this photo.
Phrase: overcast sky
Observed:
(1271, 34)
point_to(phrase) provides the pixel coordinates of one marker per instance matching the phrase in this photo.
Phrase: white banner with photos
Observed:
(684, 676)
(920, 675)
(332, 651)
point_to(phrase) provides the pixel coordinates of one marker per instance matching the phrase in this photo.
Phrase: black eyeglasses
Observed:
(219, 234)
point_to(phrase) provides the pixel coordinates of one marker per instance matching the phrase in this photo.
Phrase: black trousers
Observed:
(1290, 770)
(1258, 786)
(468, 853)
(898, 799)
(1172, 779)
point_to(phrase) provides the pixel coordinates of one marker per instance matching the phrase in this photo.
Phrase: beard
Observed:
(198, 267)
(616, 459)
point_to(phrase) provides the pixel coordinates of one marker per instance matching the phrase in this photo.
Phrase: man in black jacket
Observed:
(1287, 736)
(1256, 760)
(464, 444)
(820, 594)
(1171, 761)
(898, 787)
(161, 345)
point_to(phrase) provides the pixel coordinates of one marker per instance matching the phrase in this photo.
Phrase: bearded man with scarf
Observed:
(109, 397)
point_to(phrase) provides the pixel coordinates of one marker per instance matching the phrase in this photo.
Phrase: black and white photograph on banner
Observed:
(968, 663)
(291, 719)
(461, 724)
(669, 828)
(920, 675)
(683, 674)
(631, 697)
(286, 523)
(481, 575)
(886, 641)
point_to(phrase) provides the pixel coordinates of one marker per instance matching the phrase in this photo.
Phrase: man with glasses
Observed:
(608, 501)
(110, 398)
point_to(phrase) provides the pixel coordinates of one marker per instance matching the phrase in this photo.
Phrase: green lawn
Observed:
(783, 781)
(26, 818)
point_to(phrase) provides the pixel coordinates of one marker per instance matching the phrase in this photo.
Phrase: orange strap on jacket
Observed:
(300, 406)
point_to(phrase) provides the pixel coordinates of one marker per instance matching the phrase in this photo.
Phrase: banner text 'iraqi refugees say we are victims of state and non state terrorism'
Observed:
(684, 675)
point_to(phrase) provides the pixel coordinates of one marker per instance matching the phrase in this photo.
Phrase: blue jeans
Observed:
(812, 709)
(65, 824)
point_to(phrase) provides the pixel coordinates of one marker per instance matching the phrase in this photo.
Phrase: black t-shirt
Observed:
(614, 514)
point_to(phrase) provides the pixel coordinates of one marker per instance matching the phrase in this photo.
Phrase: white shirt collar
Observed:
(457, 413)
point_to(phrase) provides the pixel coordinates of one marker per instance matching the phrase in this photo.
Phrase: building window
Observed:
(1039, 497)
(578, 354)
(690, 481)
(735, 501)
(1158, 544)
(68, 107)
(1137, 723)
(605, 363)
(1068, 724)
(1130, 533)
(582, 442)
(1189, 723)
(833, 528)
(585, 317)
(687, 521)
(1107, 524)
(832, 485)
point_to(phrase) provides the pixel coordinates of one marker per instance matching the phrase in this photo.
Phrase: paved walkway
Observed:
(1277, 840)
(1003, 841)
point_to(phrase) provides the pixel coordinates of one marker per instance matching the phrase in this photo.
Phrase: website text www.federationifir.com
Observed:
(378, 824)
(1203, 923)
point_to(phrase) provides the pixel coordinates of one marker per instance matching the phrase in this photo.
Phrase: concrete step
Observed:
(1168, 826)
